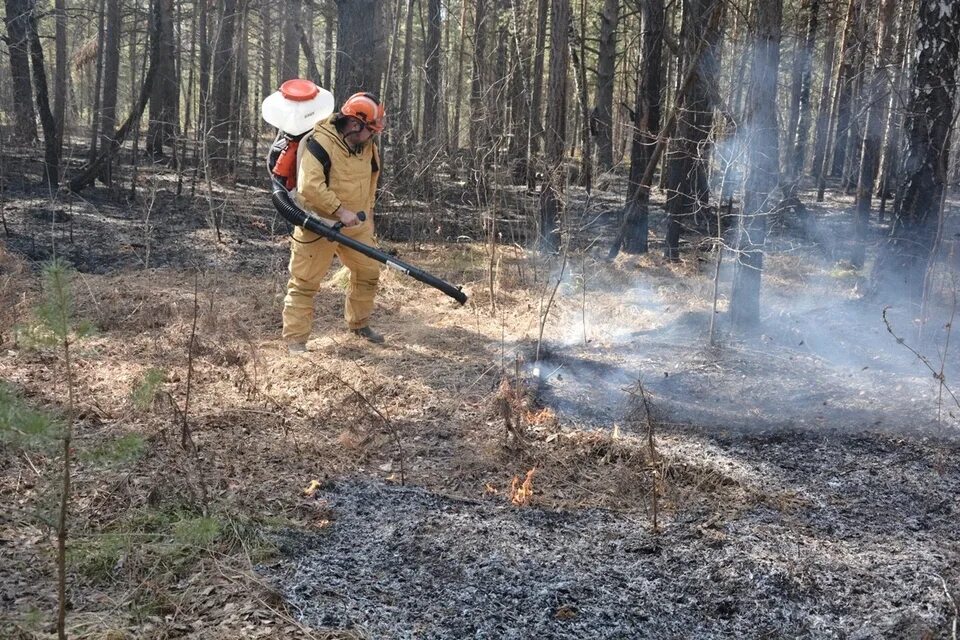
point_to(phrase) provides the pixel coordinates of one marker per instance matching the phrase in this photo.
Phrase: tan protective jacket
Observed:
(353, 176)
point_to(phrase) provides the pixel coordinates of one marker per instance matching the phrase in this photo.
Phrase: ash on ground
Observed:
(851, 539)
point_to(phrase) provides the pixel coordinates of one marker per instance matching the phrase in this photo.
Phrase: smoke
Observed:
(822, 357)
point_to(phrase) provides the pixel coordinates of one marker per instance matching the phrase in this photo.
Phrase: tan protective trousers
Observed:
(310, 260)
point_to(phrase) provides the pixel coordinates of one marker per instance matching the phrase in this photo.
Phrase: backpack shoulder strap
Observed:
(318, 152)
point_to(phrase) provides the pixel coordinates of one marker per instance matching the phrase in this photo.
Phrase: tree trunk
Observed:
(403, 125)
(686, 161)
(534, 119)
(875, 95)
(205, 60)
(458, 78)
(218, 135)
(893, 126)
(329, 18)
(763, 164)
(646, 125)
(165, 93)
(846, 85)
(111, 77)
(478, 115)
(51, 150)
(433, 98)
(359, 34)
(290, 63)
(18, 47)
(266, 50)
(556, 122)
(833, 131)
(580, 83)
(801, 98)
(606, 67)
(98, 83)
(60, 74)
(823, 110)
(904, 258)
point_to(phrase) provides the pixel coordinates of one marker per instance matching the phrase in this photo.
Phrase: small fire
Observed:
(539, 417)
(522, 492)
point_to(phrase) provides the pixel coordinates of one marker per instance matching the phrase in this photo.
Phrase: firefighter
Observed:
(337, 180)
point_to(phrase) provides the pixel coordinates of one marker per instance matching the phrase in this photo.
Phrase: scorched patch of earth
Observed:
(849, 540)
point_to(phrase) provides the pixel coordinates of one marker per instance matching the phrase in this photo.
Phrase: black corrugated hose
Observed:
(298, 217)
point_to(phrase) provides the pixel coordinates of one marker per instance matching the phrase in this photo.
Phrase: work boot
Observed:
(368, 334)
(296, 348)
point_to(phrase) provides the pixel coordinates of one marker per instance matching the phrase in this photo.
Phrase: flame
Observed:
(521, 493)
(539, 417)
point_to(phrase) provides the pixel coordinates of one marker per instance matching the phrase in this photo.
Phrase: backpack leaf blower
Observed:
(294, 109)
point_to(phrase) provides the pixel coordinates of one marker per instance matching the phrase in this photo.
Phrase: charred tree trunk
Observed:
(606, 66)
(534, 119)
(556, 124)
(823, 110)
(290, 63)
(646, 125)
(18, 47)
(329, 18)
(51, 145)
(111, 77)
(359, 33)
(266, 50)
(98, 83)
(433, 98)
(875, 96)
(893, 126)
(403, 126)
(478, 77)
(580, 83)
(800, 104)
(846, 86)
(218, 135)
(205, 59)
(904, 258)
(687, 189)
(763, 165)
(165, 93)
(60, 74)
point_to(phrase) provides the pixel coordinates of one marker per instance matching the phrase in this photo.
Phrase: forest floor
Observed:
(804, 478)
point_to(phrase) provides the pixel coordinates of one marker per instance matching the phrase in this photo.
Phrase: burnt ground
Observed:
(804, 484)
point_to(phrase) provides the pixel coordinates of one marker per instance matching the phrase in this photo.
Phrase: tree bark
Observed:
(606, 67)
(60, 73)
(359, 35)
(763, 165)
(534, 119)
(433, 98)
(51, 138)
(218, 134)
(875, 95)
(165, 93)
(17, 20)
(329, 18)
(111, 77)
(646, 124)
(800, 104)
(555, 133)
(687, 188)
(266, 50)
(290, 63)
(904, 258)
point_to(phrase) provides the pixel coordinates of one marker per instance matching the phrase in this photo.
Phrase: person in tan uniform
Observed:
(336, 180)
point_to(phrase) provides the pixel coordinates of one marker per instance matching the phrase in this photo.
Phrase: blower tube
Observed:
(300, 218)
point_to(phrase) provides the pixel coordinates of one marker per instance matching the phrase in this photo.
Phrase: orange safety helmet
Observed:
(367, 109)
